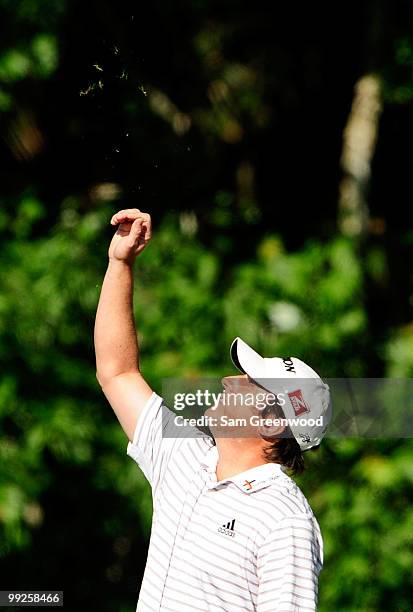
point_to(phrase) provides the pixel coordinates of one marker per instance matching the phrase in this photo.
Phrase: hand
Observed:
(132, 235)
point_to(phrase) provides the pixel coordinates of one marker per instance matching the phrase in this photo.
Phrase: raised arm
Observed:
(116, 344)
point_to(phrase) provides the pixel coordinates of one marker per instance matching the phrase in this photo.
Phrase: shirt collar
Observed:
(249, 481)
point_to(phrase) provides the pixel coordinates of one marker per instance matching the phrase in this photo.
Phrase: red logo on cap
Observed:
(298, 402)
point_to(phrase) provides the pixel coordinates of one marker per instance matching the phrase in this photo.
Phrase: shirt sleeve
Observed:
(288, 565)
(157, 438)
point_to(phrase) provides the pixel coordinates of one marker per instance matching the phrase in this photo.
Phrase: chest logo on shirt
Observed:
(228, 529)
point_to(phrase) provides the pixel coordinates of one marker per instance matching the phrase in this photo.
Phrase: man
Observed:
(231, 530)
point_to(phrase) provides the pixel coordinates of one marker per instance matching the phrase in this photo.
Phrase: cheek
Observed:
(233, 408)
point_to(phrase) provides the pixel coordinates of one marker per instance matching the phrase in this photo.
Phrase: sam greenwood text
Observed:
(254, 421)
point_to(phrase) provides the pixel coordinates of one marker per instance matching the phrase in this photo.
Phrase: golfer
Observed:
(231, 530)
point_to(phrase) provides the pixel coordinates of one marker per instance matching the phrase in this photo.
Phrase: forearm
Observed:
(115, 338)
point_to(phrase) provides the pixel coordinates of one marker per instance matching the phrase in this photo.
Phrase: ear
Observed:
(269, 429)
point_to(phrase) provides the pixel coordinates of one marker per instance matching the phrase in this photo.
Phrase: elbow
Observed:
(99, 378)
(103, 378)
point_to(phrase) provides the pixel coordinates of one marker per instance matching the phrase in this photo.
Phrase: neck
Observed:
(238, 455)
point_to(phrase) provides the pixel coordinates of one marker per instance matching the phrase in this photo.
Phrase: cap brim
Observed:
(246, 359)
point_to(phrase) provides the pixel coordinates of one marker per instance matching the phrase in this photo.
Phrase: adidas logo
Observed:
(228, 529)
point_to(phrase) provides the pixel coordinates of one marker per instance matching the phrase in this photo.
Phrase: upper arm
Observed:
(289, 562)
(128, 394)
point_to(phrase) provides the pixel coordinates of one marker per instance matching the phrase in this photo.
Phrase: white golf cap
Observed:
(306, 396)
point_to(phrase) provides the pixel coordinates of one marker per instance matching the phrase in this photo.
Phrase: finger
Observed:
(122, 215)
(114, 217)
(147, 229)
(135, 232)
(128, 211)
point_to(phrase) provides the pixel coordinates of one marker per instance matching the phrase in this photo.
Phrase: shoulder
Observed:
(292, 518)
(188, 445)
(286, 500)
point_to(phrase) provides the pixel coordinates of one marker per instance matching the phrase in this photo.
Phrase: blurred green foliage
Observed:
(203, 143)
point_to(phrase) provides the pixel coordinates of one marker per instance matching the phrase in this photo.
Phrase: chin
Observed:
(209, 412)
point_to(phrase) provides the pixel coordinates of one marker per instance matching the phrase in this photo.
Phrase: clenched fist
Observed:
(132, 235)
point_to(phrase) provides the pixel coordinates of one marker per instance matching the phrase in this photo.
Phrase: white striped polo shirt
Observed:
(249, 542)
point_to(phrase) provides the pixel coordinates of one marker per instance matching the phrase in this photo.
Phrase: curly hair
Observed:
(286, 451)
